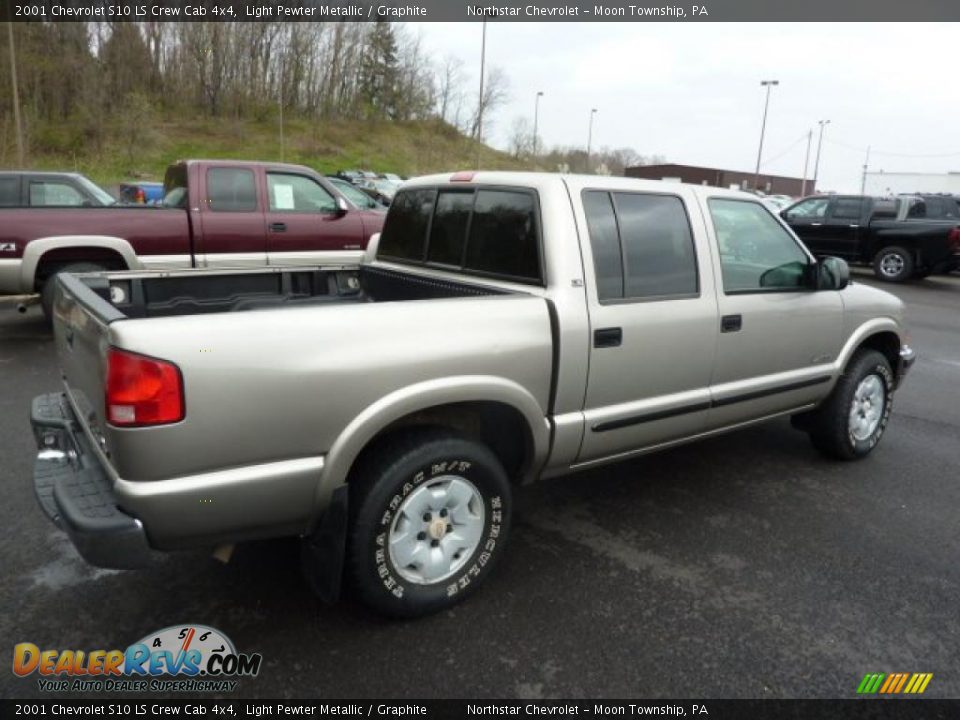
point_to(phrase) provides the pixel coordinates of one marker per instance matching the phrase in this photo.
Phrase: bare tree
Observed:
(496, 92)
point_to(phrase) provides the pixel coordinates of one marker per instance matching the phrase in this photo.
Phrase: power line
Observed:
(788, 149)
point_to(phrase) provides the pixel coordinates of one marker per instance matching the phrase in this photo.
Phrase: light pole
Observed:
(806, 164)
(536, 118)
(483, 62)
(763, 128)
(816, 163)
(281, 107)
(593, 111)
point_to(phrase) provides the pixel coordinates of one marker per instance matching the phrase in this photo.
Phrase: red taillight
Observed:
(955, 238)
(142, 390)
(141, 196)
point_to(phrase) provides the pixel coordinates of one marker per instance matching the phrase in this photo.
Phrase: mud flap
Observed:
(322, 552)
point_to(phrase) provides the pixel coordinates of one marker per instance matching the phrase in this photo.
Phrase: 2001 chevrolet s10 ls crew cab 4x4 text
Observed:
(503, 327)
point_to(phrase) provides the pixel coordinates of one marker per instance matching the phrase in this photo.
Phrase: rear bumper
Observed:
(908, 356)
(76, 493)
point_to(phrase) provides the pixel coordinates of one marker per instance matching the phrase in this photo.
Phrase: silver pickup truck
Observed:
(504, 327)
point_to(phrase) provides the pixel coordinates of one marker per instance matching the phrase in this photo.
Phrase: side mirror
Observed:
(785, 215)
(342, 207)
(832, 274)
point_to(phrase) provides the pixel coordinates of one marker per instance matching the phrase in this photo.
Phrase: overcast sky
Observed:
(691, 91)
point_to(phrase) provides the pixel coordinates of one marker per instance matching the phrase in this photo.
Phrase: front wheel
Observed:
(851, 421)
(430, 517)
(894, 264)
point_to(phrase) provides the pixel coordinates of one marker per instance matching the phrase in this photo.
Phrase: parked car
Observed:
(392, 177)
(877, 232)
(351, 176)
(215, 213)
(504, 327)
(355, 195)
(141, 193)
(50, 189)
(380, 190)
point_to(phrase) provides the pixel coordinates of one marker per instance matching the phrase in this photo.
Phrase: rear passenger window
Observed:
(503, 235)
(405, 229)
(642, 245)
(657, 246)
(9, 191)
(448, 233)
(231, 190)
(848, 209)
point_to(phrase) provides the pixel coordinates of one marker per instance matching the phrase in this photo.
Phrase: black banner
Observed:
(483, 10)
(712, 709)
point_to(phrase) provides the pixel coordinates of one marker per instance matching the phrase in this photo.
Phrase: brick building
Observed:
(770, 184)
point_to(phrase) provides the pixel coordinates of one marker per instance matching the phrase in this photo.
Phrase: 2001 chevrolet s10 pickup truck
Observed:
(504, 327)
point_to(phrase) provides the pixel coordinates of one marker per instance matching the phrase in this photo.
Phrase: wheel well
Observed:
(500, 427)
(886, 343)
(53, 260)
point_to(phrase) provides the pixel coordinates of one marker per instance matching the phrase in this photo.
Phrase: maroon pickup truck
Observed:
(215, 213)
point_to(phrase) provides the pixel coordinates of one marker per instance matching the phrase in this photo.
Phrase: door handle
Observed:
(607, 337)
(815, 224)
(278, 227)
(854, 226)
(731, 323)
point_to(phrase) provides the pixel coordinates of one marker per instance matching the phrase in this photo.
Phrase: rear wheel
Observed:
(430, 514)
(894, 264)
(49, 286)
(851, 421)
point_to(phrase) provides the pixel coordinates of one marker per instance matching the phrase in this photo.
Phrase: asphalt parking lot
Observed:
(744, 566)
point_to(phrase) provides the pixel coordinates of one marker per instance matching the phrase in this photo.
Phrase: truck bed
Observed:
(148, 295)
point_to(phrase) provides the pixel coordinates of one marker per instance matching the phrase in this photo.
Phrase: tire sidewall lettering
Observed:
(494, 506)
(886, 375)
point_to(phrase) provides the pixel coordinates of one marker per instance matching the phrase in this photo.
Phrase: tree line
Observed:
(80, 81)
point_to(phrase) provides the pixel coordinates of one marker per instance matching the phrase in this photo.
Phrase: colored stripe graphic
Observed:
(894, 683)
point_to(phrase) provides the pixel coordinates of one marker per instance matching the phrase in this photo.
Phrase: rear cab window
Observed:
(9, 191)
(489, 231)
(231, 189)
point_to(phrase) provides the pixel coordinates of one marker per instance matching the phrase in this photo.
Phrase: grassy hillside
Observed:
(403, 148)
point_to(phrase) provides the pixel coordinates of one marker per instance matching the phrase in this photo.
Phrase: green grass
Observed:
(408, 148)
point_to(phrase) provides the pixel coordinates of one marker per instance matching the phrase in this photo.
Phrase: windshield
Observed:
(102, 196)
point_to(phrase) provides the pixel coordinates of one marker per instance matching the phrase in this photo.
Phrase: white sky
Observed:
(691, 91)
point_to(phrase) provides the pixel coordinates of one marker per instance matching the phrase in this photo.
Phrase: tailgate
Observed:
(81, 333)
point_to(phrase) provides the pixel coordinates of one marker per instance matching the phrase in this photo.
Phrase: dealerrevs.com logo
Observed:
(179, 658)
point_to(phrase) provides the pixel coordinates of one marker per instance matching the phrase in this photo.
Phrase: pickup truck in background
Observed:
(503, 327)
(215, 213)
(879, 232)
(28, 189)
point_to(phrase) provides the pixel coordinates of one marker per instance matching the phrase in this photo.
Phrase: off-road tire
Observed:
(830, 426)
(893, 264)
(385, 479)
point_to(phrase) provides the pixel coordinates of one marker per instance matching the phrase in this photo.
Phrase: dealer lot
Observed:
(744, 566)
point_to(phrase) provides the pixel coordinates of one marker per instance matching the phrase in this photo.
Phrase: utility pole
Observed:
(863, 180)
(763, 128)
(806, 164)
(281, 108)
(483, 63)
(18, 125)
(536, 117)
(816, 164)
(593, 111)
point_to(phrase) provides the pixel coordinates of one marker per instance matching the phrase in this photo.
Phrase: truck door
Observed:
(305, 225)
(777, 335)
(653, 317)
(842, 227)
(807, 218)
(232, 219)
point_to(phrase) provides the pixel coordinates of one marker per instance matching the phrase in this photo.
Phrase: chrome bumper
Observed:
(908, 356)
